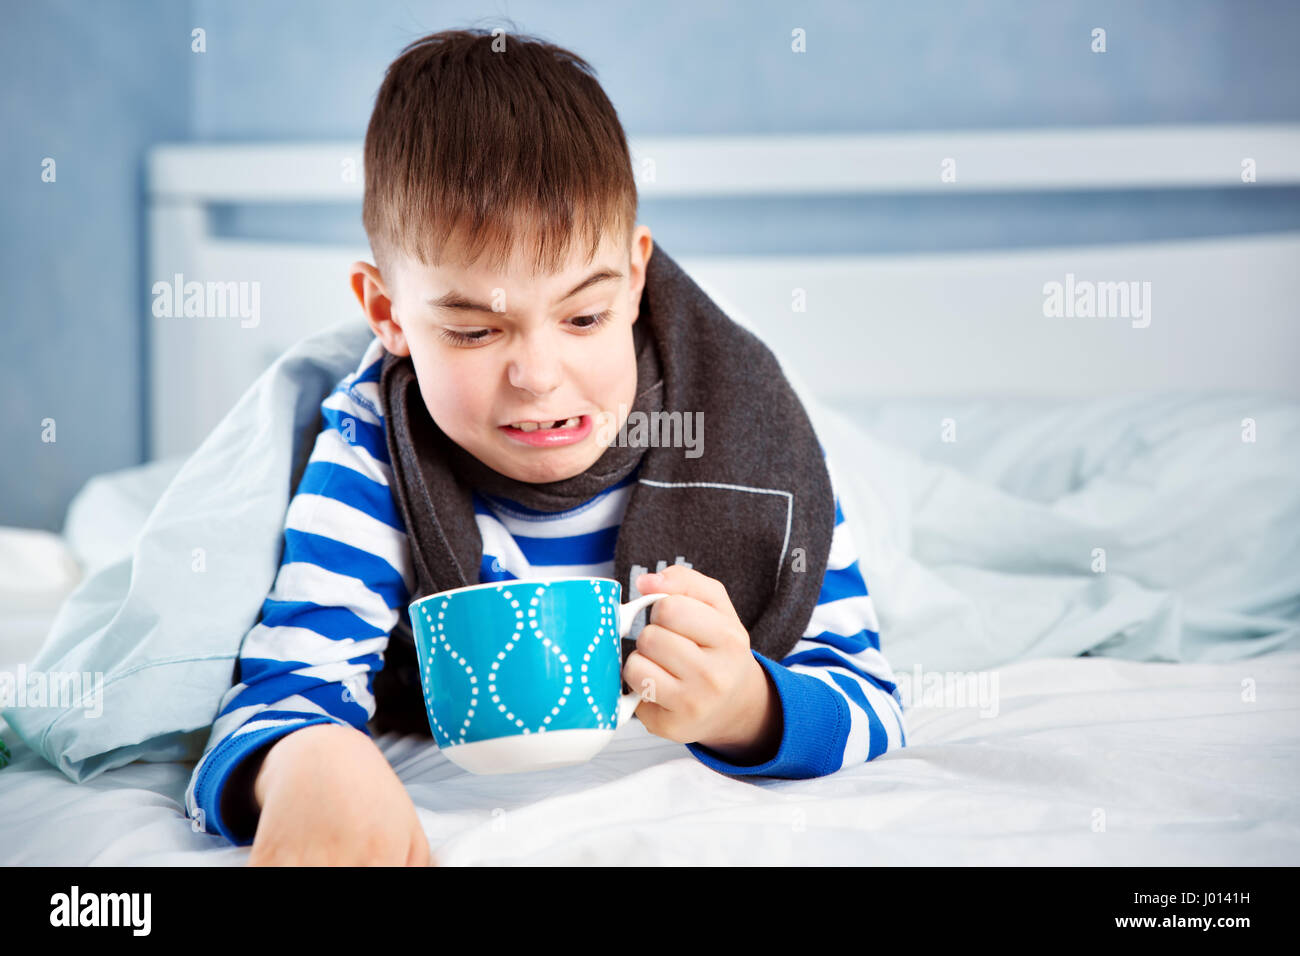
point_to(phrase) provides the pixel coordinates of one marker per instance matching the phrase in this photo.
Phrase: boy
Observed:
(481, 438)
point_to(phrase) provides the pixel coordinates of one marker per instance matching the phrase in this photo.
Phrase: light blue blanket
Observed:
(164, 625)
(1150, 527)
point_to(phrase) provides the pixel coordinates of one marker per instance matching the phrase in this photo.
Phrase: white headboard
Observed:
(1222, 312)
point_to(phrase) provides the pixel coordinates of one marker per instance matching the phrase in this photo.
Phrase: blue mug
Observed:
(525, 674)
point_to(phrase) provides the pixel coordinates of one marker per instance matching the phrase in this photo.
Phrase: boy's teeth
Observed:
(533, 426)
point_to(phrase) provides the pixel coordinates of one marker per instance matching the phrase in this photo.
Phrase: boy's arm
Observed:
(310, 659)
(838, 702)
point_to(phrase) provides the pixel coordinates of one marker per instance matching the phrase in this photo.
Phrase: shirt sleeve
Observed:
(839, 703)
(323, 628)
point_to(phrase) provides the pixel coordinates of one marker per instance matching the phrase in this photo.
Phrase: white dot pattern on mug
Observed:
(469, 670)
(607, 616)
(606, 620)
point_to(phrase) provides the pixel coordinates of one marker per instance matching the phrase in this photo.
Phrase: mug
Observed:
(524, 674)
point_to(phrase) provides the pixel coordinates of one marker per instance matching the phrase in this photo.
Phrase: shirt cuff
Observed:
(814, 727)
(221, 764)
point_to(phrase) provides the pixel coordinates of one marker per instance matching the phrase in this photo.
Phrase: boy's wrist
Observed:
(759, 725)
(287, 746)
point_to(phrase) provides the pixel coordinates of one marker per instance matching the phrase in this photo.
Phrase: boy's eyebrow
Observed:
(455, 300)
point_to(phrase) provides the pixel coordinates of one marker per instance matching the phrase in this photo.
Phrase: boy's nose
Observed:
(535, 368)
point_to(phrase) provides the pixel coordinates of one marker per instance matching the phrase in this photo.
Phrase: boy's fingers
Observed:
(694, 620)
(679, 579)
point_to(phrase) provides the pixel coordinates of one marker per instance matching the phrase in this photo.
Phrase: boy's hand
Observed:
(705, 686)
(328, 797)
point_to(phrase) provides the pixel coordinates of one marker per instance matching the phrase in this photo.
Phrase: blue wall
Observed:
(93, 84)
(90, 85)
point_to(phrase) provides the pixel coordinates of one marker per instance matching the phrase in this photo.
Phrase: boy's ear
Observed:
(368, 286)
(639, 254)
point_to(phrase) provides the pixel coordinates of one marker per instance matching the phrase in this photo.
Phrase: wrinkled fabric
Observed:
(162, 626)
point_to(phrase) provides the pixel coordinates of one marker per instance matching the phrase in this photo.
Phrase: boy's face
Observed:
(534, 352)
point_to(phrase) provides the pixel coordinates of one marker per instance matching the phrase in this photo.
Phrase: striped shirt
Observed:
(346, 575)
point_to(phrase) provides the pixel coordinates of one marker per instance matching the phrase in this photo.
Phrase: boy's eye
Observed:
(596, 319)
(478, 335)
(464, 337)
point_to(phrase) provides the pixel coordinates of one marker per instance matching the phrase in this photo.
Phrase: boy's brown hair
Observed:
(496, 140)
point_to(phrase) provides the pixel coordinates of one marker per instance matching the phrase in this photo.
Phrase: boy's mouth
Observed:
(531, 426)
(545, 434)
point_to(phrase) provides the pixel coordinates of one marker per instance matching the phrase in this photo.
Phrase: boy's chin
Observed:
(542, 476)
(544, 472)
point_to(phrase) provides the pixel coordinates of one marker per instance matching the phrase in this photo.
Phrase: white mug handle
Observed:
(627, 703)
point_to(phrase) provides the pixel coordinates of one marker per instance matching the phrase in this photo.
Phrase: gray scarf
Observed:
(753, 510)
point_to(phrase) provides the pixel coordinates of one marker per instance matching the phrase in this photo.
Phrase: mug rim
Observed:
(513, 581)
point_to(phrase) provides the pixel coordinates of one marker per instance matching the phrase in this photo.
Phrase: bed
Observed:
(1088, 581)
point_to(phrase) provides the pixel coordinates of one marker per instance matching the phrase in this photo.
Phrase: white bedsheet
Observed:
(1090, 761)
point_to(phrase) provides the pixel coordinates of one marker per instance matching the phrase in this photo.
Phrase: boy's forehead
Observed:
(455, 279)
